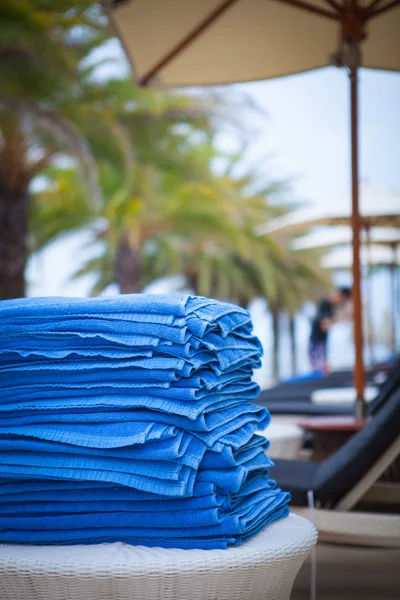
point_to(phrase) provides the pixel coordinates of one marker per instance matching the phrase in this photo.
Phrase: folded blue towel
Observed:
(255, 482)
(127, 379)
(130, 378)
(98, 435)
(44, 392)
(167, 304)
(220, 316)
(244, 516)
(33, 461)
(239, 353)
(231, 480)
(181, 488)
(204, 504)
(221, 422)
(28, 346)
(14, 487)
(162, 332)
(110, 409)
(114, 535)
(51, 323)
(93, 435)
(123, 307)
(234, 528)
(236, 439)
(107, 499)
(130, 419)
(229, 457)
(87, 406)
(183, 449)
(200, 320)
(180, 485)
(234, 433)
(156, 363)
(207, 374)
(130, 536)
(194, 308)
(219, 362)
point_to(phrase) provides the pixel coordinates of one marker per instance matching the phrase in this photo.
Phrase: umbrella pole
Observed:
(359, 376)
(394, 299)
(370, 326)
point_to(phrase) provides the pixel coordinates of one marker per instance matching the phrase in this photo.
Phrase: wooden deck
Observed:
(350, 573)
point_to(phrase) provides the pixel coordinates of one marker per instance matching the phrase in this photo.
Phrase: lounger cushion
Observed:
(296, 477)
(334, 477)
(302, 407)
(338, 474)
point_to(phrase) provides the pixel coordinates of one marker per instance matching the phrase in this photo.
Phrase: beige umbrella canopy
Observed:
(378, 208)
(206, 42)
(378, 257)
(203, 42)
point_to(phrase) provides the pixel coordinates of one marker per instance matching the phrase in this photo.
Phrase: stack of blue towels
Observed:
(130, 419)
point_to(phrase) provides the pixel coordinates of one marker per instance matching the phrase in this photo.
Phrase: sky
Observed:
(308, 130)
(304, 137)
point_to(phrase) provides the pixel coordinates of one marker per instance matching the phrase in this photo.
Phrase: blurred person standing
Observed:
(325, 317)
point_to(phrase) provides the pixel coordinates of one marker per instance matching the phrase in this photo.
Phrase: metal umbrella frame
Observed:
(163, 42)
(341, 236)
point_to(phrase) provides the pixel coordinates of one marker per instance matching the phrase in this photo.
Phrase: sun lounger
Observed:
(336, 485)
(290, 403)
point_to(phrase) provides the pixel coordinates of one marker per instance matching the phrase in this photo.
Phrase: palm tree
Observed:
(257, 266)
(141, 237)
(237, 268)
(164, 189)
(43, 100)
(52, 104)
(293, 340)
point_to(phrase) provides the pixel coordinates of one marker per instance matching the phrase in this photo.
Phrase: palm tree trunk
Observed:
(242, 301)
(276, 344)
(192, 279)
(13, 241)
(292, 335)
(128, 268)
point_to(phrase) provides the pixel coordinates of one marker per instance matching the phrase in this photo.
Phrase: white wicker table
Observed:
(262, 569)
